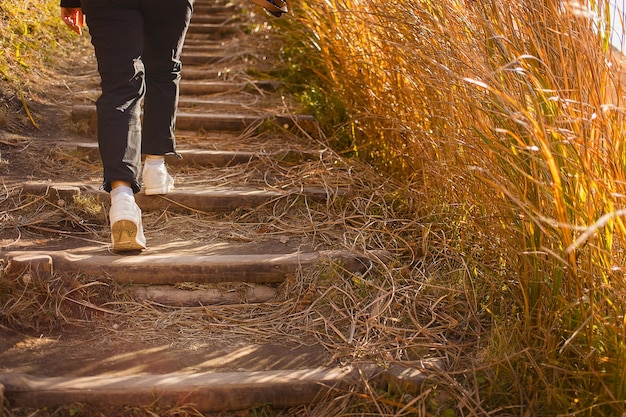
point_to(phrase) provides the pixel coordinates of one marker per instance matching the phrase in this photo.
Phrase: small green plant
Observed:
(75, 410)
(262, 411)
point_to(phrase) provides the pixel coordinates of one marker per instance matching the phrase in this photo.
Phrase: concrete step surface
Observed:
(208, 392)
(195, 198)
(167, 268)
(210, 157)
(213, 121)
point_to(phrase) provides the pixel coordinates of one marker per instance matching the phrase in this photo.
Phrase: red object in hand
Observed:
(74, 18)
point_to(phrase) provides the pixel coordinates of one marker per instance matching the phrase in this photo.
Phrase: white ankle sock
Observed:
(155, 161)
(122, 190)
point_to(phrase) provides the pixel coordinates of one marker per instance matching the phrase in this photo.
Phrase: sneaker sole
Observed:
(124, 236)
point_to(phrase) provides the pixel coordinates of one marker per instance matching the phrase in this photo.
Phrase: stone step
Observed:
(219, 30)
(212, 43)
(205, 58)
(195, 88)
(222, 45)
(205, 199)
(231, 102)
(193, 73)
(215, 19)
(198, 87)
(203, 46)
(209, 158)
(112, 355)
(169, 268)
(168, 295)
(208, 392)
(209, 121)
(238, 122)
(209, 56)
(210, 8)
(43, 264)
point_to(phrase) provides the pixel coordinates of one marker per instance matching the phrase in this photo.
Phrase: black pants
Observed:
(138, 45)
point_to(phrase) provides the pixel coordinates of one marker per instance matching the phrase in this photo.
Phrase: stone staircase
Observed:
(241, 145)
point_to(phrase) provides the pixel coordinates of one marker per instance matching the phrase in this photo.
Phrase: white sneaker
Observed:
(156, 179)
(126, 227)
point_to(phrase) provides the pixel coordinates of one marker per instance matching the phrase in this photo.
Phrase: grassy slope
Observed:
(33, 41)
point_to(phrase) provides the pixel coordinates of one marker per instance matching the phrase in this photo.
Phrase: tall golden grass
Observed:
(507, 120)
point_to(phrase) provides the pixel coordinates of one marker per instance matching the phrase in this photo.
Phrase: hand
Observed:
(74, 18)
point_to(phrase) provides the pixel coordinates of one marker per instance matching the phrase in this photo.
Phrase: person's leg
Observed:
(165, 27)
(116, 29)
